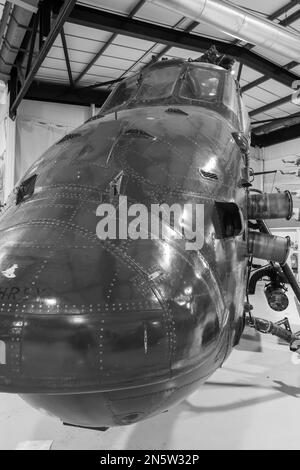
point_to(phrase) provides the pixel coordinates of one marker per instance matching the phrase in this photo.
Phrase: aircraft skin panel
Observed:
(108, 332)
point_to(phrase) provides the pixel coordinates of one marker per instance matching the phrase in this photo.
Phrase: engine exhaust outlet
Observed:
(269, 247)
(270, 206)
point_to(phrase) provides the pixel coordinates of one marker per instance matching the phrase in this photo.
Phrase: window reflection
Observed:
(123, 93)
(200, 84)
(159, 83)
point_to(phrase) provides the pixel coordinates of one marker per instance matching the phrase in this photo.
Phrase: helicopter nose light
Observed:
(276, 297)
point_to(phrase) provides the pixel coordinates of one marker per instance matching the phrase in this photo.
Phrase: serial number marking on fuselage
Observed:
(15, 293)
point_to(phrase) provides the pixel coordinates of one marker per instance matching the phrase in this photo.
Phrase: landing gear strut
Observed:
(281, 329)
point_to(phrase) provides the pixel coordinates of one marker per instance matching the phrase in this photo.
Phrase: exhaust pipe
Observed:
(269, 247)
(270, 206)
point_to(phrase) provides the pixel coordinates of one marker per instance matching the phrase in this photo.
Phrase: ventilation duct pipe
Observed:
(238, 23)
(268, 247)
(270, 206)
(4, 20)
(15, 31)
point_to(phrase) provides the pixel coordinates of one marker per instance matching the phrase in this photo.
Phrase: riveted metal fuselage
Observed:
(108, 332)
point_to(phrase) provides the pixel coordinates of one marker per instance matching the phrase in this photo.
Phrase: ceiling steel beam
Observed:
(106, 21)
(65, 11)
(274, 124)
(277, 137)
(4, 20)
(57, 93)
(101, 51)
(283, 10)
(261, 80)
(29, 5)
(35, 20)
(290, 19)
(67, 58)
(164, 51)
(269, 106)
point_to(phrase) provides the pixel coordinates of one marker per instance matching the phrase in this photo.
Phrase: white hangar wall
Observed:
(39, 125)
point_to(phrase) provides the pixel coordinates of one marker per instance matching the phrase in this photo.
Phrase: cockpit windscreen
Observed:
(159, 83)
(200, 84)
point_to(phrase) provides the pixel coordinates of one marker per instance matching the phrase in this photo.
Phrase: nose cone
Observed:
(76, 312)
(79, 314)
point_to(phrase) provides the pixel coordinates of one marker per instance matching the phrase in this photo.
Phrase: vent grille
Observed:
(176, 111)
(208, 175)
(139, 133)
(26, 189)
(95, 118)
(68, 137)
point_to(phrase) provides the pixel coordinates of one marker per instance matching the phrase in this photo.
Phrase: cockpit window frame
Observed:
(105, 108)
(175, 98)
(198, 101)
(150, 71)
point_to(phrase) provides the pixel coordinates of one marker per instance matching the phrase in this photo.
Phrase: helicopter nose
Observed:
(76, 314)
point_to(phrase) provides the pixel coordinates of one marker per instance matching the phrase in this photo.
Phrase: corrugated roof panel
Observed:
(105, 71)
(112, 62)
(147, 58)
(276, 88)
(80, 57)
(57, 64)
(138, 68)
(296, 70)
(263, 95)
(157, 14)
(84, 32)
(262, 117)
(182, 53)
(295, 27)
(93, 74)
(134, 43)
(158, 48)
(249, 75)
(124, 6)
(243, 82)
(251, 102)
(75, 55)
(121, 52)
(52, 73)
(84, 45)
(277, 113)
(290, 108)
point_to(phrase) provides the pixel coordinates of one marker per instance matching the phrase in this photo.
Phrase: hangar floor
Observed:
(253, 402)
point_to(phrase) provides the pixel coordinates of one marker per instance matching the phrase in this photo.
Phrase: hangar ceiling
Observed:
(86, 45)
